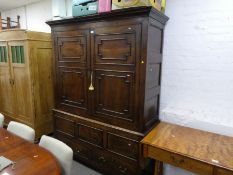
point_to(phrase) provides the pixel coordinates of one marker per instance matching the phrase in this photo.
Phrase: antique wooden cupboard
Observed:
(26, 81)
(107, 71)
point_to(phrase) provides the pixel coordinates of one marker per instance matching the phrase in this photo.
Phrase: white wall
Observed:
(37, 14)
(197, 77)
(34, 16)
(13, 15)
(69, 7)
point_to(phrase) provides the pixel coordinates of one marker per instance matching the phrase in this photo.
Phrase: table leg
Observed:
(158, 168)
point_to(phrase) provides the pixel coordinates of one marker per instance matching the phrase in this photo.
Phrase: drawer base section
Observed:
(108, 149)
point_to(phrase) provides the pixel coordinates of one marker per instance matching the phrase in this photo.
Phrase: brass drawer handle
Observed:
(177, 161)
(102, 159)
(122, 170)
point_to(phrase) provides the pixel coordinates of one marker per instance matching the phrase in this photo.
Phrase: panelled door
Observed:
(72, 70)
(21, 80)
(7, 105)
(115, 55)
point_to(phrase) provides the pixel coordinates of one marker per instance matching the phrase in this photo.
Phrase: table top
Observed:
(200, 145)
(29, 158)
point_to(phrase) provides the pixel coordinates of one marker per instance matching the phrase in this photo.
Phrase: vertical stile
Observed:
(13, 54)
(22, 54)
(1, 54)
(5, 53)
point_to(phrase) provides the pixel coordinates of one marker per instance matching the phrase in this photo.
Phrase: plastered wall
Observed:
(197, 76)
(32, 16)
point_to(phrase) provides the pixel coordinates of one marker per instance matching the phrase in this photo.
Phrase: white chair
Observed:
(1, 120)
(22, 130)
(60, 150)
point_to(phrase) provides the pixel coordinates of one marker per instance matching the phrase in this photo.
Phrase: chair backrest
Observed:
(1, 120)
(22, 130)
(60, 150)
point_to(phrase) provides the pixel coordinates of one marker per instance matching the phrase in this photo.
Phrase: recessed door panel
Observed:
(72, 49)
(72, 87)
(116, 45)
(72, 46)
(114, 94)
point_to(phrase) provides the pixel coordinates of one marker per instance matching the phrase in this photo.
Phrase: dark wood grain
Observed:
(120, 54)
(30, 158)
(195, 150)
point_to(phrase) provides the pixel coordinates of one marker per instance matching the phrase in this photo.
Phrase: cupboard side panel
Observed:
(153, 73)
(41, 69)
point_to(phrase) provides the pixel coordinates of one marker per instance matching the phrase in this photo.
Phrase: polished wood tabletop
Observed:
(29, 158)
(189, 147)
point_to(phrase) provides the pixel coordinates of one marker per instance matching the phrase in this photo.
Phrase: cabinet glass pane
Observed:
(13, 53)
(3, 54)
(18, 54)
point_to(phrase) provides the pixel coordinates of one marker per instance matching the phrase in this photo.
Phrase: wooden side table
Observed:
(197, 151)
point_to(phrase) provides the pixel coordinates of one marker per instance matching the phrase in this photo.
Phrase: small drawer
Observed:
(114, 164)
(122, 145)
(89, 134)
(64, 125)
(221, 171)
(82, 152)
(180, 161)
(124, 166)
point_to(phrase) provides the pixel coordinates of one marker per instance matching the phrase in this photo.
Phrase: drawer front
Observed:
(64, 125)
(89, 134)
(124, 167)
(83, 152)
(105, 161)
(122, 145)
(97, 146)
(180, 161)
(90, 155)
(221, 171)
